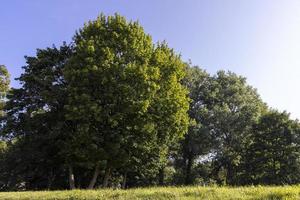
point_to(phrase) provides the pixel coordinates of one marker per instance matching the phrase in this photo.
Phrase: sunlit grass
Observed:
(162, 193)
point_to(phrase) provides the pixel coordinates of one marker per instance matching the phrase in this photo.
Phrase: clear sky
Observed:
(259, 39)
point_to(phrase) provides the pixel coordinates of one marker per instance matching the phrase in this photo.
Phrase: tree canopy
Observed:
(115, 109)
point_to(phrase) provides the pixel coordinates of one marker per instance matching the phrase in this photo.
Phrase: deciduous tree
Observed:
(273, 155)
(124, 94)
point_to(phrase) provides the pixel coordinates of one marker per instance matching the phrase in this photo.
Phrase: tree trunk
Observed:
(51, 178)
(124, 180)
(215, 172)
(189, 165)
(94, 178)
(161, 176)
(106, 177)
(71, 178)
(229, 175)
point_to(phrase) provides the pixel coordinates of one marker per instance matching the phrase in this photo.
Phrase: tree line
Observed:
(113, 109)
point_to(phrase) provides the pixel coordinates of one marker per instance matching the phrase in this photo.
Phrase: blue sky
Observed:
(259, 39)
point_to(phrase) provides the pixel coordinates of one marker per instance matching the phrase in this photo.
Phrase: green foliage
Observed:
(112, 102)
(4, 87)
(124, 94)
(4, 79)
(223, 110)
(229, 110)
(273, 155)
(35, 124)
(3, 147)
(198, 141)
(115, 109)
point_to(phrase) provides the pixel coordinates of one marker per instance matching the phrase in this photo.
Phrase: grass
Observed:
(162, 193)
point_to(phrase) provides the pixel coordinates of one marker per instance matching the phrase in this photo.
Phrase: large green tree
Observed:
(124, 95)
(198, 141)
(4, 88)
(223, 109)
(35, 127)
(273, 157)
(228, 108)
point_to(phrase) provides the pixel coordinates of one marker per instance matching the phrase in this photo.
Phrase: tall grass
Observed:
(162, 193)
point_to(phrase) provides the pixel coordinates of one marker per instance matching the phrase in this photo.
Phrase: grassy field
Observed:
(162, 193)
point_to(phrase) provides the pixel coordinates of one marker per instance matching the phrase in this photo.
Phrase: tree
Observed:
(229, 108)
(34, 125)
(273, 156)
(198, 141)
(4, 79)
(124, 94)
(4, 87)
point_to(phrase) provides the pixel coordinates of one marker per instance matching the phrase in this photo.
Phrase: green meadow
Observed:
(162, 193)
